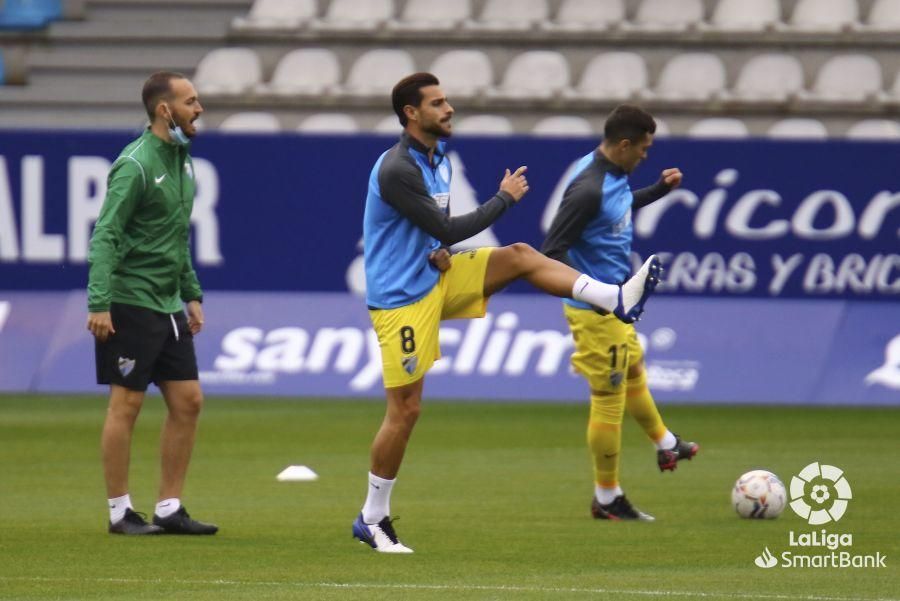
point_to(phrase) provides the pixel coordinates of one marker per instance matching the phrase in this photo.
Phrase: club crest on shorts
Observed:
(616, 377)
(126, 366)
(410, 363)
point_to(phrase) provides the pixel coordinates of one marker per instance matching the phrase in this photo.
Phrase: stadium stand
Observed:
(427, 15)
(563, 126)
(798, 128)
(464, 73)
(329, 123)
(228, 71)
(387, 125)
(743, 16)
(667, 15)
(846, 78)
(611, 76)
(892, 97)
(277, 14)
(875, 129)
(773, 77)
(662, 128)
(824, 15)
(344, 15)
(375, 73)
(692, 76)
(586, 16)
(304, 72)
(533, 74)
(685, 60)
(497, 17)
(884, 16)
(719, 127)
(483, 125)
(251, 122)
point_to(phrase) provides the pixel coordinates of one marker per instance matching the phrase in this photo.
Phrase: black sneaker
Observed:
(133, 523)
(667, 459)
(181, 523)
(620, 509)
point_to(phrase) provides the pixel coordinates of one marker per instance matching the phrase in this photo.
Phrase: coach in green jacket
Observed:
(140, 277)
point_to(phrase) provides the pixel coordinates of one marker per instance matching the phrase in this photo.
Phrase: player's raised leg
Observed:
(521, 261)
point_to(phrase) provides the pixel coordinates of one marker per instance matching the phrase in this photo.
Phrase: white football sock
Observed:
(118, 506)
(607, 495)
(378, 501)
(667, 442)
(589, 290)
(167, 507)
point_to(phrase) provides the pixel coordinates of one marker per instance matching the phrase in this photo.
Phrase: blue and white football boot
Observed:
(635, 292)
(380, 536)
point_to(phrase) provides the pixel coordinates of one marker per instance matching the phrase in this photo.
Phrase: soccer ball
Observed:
(758, 494)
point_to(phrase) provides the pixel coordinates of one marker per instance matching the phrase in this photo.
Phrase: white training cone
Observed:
(297, 473)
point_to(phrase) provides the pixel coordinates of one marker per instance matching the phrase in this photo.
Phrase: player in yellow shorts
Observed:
(592, 232)
(459, 294)
(412, 281)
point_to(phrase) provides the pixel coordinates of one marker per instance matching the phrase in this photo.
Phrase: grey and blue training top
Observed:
(592, 231)
(407, 217)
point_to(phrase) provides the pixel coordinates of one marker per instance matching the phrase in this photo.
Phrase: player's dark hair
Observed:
(408, 91)
(628, 122)
(158, 87)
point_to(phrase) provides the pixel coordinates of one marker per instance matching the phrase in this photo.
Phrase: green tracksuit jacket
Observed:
(140, 253)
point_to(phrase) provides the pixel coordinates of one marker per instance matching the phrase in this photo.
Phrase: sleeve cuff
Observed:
(507, 199)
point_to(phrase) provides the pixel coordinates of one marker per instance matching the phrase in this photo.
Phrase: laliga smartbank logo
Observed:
(820, 494)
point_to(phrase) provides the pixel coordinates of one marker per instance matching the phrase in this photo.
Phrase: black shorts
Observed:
(147, 347)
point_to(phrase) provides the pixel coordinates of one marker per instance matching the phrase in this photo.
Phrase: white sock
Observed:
(589, 290)
(118, 506)
(167, 507)
(378, 501)
(667, 442)
(607, 495)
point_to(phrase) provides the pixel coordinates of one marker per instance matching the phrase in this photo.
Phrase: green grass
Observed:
(493, 498)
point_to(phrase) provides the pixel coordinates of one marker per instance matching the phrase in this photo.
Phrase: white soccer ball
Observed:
(759, 495)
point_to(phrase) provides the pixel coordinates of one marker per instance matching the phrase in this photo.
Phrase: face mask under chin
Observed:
(177, 135)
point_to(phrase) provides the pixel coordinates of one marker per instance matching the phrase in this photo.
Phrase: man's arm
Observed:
(192, 294)
(579, 205)
(124, 189)
(188, 282)
(402, 188)
(668, 181)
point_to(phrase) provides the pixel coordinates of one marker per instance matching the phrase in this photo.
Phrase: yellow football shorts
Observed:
(604, 348)
(408, 336)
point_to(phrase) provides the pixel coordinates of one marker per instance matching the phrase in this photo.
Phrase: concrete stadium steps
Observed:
(188, 31)
(136, 57)
(167, 11)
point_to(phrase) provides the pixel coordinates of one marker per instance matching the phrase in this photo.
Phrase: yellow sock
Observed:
(642, 408)
(604, 436)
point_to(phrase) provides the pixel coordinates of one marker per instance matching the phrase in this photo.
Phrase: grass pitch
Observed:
(493, 497)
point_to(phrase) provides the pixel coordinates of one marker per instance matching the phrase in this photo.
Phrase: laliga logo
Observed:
(820, 494)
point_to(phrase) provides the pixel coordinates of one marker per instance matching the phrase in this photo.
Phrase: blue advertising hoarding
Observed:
(284, 212)
(322, 344)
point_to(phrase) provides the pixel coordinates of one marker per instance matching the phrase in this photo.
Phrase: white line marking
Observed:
(448, 587)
